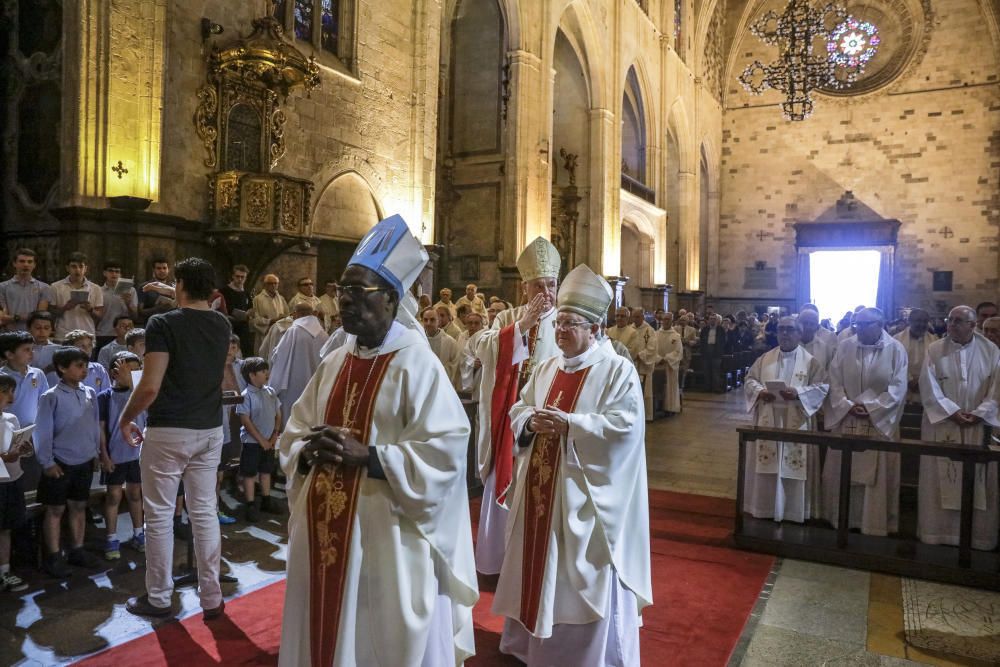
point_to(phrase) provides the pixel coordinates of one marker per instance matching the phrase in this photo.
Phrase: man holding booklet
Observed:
(77, 303)
(120, 299)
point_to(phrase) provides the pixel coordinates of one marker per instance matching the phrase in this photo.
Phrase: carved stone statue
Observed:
(569, 164)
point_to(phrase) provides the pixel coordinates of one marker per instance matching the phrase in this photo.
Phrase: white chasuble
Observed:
(409, 576)
(782, 478)
(670, 354)
(916, 349)
(874, 376)
(956, 378)
(642, 347)
(598, 526)
(821, 350)
(448, 352)
(295, 359)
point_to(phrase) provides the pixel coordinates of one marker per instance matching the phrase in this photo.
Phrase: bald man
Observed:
(622, 331)
(473, 299)
(268, 307)
(821, 350)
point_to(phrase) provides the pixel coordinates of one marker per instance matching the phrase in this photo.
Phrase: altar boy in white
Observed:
(784, 389)
(958, 385)
(867, 394)
(380, 561)
(576, 574)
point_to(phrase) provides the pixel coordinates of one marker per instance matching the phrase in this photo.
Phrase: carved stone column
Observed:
(617, 287)
(425, 283)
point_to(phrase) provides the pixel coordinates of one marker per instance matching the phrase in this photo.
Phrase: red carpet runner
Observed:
(703, 591)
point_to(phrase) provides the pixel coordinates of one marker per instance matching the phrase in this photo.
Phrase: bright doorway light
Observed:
(840, 280)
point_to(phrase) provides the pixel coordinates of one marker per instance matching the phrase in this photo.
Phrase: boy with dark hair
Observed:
(67, 438)
(30, 382)
(97, 375)
(120, 460)
(23, 294)
(12, 509)
(260, 415)
(135, 342)
(41, 324)
(71, 312)
(122, 326)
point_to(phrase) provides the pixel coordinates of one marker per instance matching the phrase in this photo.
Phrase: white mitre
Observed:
(539, 260)
(585, 293)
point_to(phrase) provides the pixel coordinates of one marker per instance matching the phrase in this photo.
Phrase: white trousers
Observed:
(168, 455)
(491, 535)
(612, 641)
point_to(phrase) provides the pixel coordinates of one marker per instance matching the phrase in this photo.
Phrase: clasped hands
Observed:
(789, 394)
(549, 421)
(963, 418)
(333, 445)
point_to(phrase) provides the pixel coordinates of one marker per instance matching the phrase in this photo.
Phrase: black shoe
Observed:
(81, 558)
(269, 505)
(55, 566)
(182, 531)
(141, 606)
(253, 511)
(210, 614)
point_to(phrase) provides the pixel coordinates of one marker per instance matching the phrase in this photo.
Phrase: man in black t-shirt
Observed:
(238, 303)
(181, 391)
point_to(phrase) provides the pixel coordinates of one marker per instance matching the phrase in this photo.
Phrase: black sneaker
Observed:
(81, 558)
(269, 505)
(11, 582)
(253, 511)
(141, 606)
(55, 566)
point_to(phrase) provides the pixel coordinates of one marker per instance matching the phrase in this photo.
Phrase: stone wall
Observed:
(923, 150)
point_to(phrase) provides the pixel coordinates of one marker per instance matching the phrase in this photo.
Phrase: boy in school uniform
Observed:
(12, 507)
(260, 415)
(72, 314)
(135, 342)
(40, 326)
(120, 460)
(97, 375)
(16, 349)
(67, 439)
(123, 324)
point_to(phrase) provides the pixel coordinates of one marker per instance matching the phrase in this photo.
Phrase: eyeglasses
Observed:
(568, 326)
(358, 291)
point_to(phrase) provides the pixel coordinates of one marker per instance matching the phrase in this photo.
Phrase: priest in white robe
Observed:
(958, 384)
(273, 336)
(445, 347)
(510, 350)
(642, 347)
(577, 572)
(267, 308)
(820, 348)
(670, 354)
(297, 355)
(380, 561)
(470, 368)
(784, 389)
(689, 339)
(622, 330)
(867, 393)
(916, 338)
(823, 335)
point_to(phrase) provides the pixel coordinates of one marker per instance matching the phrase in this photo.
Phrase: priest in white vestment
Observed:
(823, 335)
(297, 355)
(510, 350)
(669, 354)
(576, 576)
(820, 348)
(784, 389)
(689, 339)
(916, 338)
(267, 308)
(622, 330)
(958, 384)
(642, 347)
(470, 368)
(273, 337)
(867, 394)
(380, 561)
(445, 347)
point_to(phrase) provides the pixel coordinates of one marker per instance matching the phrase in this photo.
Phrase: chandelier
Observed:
(798, 71)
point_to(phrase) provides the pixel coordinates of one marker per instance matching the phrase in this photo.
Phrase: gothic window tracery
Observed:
(326, 25)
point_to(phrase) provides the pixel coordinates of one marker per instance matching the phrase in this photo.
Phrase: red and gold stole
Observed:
(540, 493)
(509, 379)
(333, 500)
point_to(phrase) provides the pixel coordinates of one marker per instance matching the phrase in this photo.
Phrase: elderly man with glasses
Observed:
(785, 388)
(958, 386)
(380, 561)
(576, 575)
(306, 294)
(269, 306)
(868, 382)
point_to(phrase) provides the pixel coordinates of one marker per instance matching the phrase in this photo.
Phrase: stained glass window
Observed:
(678, 23)
(331, 25)
(304, 19)
(853, 43)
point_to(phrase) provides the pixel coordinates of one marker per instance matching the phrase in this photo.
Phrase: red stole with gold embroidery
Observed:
(539, 496)
(333, 500)
(509, 379)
